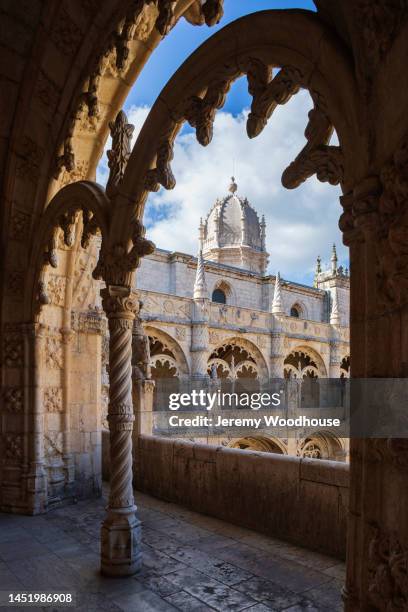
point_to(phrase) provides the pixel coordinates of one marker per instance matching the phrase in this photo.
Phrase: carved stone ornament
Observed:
(121, 132)
(116, 266)
(13, 398)
(388, 571)
(53, 399)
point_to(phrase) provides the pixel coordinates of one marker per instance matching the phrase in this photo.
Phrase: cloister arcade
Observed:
(73, 64)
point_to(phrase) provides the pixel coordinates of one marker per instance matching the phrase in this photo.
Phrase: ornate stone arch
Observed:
(311, 363)
(253, 360)
(244, 47)
(177, 358)
(259, 443)
(321, 445)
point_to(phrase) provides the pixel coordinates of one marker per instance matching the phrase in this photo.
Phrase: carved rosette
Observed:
(121, 307)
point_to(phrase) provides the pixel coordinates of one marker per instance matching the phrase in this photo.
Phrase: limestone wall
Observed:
(303, 501)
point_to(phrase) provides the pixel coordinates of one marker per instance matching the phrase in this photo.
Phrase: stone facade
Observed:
(274, 338)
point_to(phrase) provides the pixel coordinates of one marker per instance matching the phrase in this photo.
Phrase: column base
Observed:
(121, 543)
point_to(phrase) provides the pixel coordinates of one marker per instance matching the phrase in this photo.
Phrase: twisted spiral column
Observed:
(120, 551)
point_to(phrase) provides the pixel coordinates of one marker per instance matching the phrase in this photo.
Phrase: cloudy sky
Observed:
(301, 223)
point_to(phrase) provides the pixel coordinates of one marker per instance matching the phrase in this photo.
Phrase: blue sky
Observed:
(184, 39)
(301, 223)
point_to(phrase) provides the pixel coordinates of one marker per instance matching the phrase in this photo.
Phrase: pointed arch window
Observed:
(218, 296)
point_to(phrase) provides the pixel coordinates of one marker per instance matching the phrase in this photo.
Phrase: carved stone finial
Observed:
(121, 132)
(200, 285)
(333, 260)
(233, 186)
(277, 305)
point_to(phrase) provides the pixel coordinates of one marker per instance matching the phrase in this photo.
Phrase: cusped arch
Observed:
(298, 42)
(315, 365)
(179, 361)
(259, 364)
(263, 444)
(79, 210)
(322, 445)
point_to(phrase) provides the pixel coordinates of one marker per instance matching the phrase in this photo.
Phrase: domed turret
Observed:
(232, 233)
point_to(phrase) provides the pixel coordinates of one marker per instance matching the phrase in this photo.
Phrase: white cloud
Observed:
(301, 223)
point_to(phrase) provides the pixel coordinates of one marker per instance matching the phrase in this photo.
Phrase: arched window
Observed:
(219, 296)
(295, 311)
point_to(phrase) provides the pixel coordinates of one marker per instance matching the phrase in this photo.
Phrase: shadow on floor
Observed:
(191, 563)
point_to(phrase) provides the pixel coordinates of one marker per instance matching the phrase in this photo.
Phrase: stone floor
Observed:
(191, 563)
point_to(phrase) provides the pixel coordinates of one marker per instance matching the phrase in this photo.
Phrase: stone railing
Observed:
(303, 501)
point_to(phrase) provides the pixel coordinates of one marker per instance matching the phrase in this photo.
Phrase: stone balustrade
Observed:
(303, 501)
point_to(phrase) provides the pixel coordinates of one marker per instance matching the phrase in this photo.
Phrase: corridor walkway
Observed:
(191, 563)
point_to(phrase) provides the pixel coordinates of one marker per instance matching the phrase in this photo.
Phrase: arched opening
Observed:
(295, 311)
(258, 443)
(218, 296)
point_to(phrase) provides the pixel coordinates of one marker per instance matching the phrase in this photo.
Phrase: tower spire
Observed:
(200, 285)
(277, 305)
(318, 270)
(335, 313)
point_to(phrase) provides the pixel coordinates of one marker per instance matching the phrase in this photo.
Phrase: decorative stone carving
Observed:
(53, 399)
(13, 398)
(116, 266)
(15, 283)
(387, 570)
(56, 289)
(162, 174)
(380, 21)
(13, 350)
(19, 225)
(212, 11)
(214, 337)
(65, 34)
(181, 333)
(53, 352)
(165, 19)
(120, 554)
(29, 160)
(141, 369)
(53, 445)
(121, 132)
(13, 449)
(90, 321)
(46, 91)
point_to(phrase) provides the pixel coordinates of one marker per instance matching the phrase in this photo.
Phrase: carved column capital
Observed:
(120, 303)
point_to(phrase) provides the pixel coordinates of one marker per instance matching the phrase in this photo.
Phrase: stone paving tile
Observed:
(190, 562)
(143, 601)
(27, 547)
(187, 603)
(157, 584)
(290, 552)
(337, 571)
(289, 574)
(47, 571)
(327, 595)
(261, 590)
(210, 591)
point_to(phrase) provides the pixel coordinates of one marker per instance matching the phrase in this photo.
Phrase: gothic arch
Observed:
(227, 288)
(312, 363)
(244, 47)
(322, 445)
(180, 360)
(259, 443)
(258, 367)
